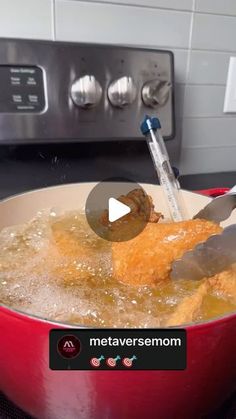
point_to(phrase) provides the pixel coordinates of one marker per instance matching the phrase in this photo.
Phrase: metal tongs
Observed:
(219, 251)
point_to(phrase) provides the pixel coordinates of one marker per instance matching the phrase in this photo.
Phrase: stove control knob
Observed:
(156, 92)
(122, 92)
(86, 92)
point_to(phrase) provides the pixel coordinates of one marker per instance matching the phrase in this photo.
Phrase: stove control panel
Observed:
(22, 89)
(72, 92)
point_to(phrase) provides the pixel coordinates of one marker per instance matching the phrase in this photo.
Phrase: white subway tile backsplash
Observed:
(223, 7)
(207, 160)
(173, 146)
(180, 62)
(208, 67)
(208, 136)
(214, 32)
(26, 19)
(106, 23)
(209, 132)
(204, 101)
(166, 4)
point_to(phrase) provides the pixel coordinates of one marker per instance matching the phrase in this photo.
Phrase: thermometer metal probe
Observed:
(150, 127)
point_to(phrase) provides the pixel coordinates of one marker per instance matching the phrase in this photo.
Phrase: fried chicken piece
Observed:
(188, 309)
(147, 258)
(141, 206)
(225, 282)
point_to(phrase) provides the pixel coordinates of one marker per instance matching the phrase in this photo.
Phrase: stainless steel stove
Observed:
(71, 112)
(57, 92)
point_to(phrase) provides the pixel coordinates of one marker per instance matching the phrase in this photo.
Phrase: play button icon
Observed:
(117, 209)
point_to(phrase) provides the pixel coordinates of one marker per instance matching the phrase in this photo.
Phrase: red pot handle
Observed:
(213, 192)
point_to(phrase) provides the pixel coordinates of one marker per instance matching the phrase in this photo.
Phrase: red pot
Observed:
(26, 379)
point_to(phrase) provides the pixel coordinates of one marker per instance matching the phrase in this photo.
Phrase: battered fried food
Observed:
(188, 309)
(147, 258)
(225, 283)
(141, 206)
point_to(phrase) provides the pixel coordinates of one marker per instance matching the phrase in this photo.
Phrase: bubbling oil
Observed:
(56, 268)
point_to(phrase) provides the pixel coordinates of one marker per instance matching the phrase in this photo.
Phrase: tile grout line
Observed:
(190, 44)
(212, 147)
(117, 3)
(143, 6)
(187, 75)
(218, 117)
(203, 84)
(53, 20)
(208, 50)
(200, 12)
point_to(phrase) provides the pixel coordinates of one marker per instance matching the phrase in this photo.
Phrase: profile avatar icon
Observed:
(69, 346)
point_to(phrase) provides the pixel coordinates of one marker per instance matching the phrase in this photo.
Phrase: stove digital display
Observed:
(22, 89)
